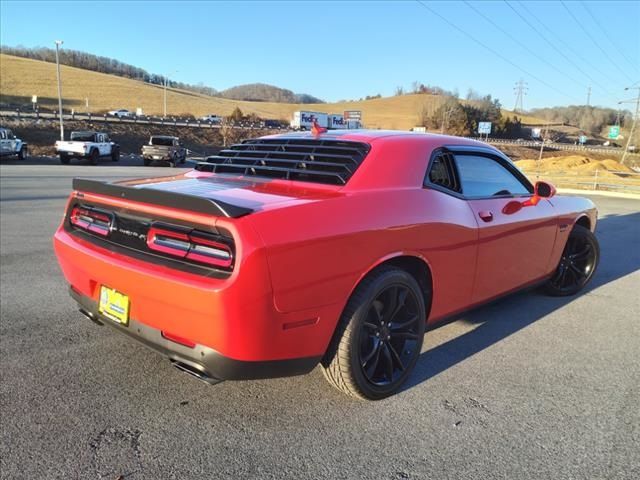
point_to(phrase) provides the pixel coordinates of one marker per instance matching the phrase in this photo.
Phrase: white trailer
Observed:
(303, 120)
(336, 121)
(352, 124)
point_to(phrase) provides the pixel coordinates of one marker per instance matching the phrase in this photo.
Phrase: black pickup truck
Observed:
(164, 148)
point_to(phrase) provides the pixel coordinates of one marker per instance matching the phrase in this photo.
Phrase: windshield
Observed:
(166, 141)
(82, 136)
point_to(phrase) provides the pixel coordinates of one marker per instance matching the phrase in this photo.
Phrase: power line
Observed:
(575, 19)
(467, 34)
(557, 49)
(522, 45)
(608, 37)
(567, 46)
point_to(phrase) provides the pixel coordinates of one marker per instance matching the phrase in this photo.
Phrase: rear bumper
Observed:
(233, 317)
(199, 361)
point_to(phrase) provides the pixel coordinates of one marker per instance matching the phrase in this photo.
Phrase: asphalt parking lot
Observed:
(527, 387)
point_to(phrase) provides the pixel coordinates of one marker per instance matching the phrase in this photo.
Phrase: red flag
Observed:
(317, 129)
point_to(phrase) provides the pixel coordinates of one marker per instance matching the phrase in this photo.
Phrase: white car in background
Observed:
(11, 145)
(122, 113)
(87, 144)
(215, 119)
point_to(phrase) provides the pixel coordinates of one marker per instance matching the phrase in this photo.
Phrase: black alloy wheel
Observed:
(389, 335)
(578, 263)
(379, 337)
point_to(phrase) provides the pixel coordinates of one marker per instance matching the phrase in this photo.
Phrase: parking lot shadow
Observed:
(620, 256)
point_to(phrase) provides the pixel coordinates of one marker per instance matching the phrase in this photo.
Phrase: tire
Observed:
(22, 153)
(94, 156)
(64, 159)
(115, 155)
(577, 265)
(174, 160)
(147, 161)
(184, 158)
(370, 358)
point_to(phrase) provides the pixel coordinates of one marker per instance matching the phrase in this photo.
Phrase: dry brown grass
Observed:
(21, 78)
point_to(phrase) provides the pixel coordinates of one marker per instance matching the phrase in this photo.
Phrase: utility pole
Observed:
(635, 120)
(166, 82)
(164, 114)
(58, 43)
(544, 138)
(589, 96)
(520, 90)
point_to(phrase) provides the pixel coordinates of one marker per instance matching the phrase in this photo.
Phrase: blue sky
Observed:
(346, 50)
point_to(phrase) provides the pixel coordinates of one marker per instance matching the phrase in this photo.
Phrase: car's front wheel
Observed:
(577, 265)
(379, 337)
(22, 153)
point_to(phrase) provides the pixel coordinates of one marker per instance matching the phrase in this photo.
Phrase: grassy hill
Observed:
(21, 78)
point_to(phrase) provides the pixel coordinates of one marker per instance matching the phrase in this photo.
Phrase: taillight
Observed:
(91, 220)
(193, 245)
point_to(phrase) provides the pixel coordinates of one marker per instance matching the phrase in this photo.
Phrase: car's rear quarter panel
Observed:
(318, 252)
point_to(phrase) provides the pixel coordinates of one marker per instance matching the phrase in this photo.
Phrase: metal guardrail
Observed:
(605, 180)
(551, 146)
(145, 120)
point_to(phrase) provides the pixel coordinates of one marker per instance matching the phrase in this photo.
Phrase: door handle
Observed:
(486, 216)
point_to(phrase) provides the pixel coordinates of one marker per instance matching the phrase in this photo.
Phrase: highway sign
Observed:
(353, 115)
(614, 131)
(484, 128)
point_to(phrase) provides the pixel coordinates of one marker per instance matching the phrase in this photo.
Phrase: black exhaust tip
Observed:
(91, 317)
(194, 372)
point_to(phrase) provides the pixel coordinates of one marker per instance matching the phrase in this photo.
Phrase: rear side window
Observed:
(442, 172)
(485, 177)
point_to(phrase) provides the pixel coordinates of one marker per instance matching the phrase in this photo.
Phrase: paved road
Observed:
(528, 387)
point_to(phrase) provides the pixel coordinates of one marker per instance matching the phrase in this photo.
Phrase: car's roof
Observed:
(163, 136)
(370, 136)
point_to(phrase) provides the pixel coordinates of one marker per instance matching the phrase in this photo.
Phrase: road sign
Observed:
(582, 139)
(484, 128)
(353, 115)
(614, 131)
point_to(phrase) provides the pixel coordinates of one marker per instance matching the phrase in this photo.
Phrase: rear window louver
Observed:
(309, 160)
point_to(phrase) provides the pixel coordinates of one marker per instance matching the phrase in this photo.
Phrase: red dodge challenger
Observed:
(289, 251)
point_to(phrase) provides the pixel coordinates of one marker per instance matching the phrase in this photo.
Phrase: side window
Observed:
(485, 177)
(442, 172)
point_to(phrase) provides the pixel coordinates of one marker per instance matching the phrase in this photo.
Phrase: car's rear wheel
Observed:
(173, 161)
(64, 159)
(94, 156)
(115, 154)
(379, 337)
(577, 265)
(147, 161)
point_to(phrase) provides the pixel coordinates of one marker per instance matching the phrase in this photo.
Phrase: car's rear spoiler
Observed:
(162, 197)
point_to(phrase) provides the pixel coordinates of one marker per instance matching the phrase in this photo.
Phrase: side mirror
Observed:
(544, 190)
(540, 190)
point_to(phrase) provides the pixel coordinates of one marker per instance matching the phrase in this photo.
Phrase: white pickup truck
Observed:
(91, 145)
(10, 145)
